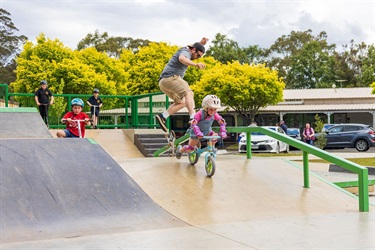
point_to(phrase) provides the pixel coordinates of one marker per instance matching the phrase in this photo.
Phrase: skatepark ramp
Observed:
(22, 123)
(64, 188)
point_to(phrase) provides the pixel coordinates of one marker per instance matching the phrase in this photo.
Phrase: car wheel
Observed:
(287, 149)
(277, 148)
(361, 145)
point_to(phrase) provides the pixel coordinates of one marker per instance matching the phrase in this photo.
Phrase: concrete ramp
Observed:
(22, 123)
(64, 188)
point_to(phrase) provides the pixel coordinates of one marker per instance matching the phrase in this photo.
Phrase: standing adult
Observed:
(308, 134)
(283, 126)
(43, 98)
(171, 80)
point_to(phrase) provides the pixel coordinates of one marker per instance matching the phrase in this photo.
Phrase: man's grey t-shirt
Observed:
(174, 66)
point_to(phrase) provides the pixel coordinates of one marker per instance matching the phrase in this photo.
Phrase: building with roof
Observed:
(332, 105)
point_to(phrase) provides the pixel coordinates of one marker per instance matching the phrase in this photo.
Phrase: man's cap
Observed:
(43, 82)
(198, 46)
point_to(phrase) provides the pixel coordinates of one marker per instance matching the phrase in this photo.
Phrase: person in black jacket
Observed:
(95, 102)
(43, 98)
(283, 126)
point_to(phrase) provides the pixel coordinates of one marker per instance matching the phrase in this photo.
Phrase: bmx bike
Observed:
(210, 156)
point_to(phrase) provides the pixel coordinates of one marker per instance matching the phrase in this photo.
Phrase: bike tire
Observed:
(210, 166)
(193, 158)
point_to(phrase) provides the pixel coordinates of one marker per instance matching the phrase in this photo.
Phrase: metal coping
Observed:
(18, 110)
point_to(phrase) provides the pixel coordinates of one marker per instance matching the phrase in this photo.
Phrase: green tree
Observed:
(116, 77)
(244, 88)
(368, 67)
(321, 138)
(146, 66)
(227, 50)
(349, 64)
(302, 60)
(113, 46)
(9, 47)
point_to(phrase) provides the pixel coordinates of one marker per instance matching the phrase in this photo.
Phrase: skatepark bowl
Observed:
(99, 192)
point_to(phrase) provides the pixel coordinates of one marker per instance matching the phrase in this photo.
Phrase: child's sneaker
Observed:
(161, 121)
(178, 152)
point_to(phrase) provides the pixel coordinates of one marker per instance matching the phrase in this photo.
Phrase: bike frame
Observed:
(210, 148)
(79, 125)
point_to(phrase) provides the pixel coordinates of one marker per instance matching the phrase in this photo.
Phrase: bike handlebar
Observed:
(211, 137)
(79, 120)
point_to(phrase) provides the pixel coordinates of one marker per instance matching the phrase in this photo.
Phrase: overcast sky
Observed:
(182, 22)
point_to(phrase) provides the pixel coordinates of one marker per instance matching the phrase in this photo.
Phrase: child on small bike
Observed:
(72, 128)
(202, 124)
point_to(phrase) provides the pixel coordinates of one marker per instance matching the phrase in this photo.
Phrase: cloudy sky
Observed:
(181, 22)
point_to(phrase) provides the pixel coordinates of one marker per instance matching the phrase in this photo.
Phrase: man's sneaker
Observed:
(161, 122)
(178, 152)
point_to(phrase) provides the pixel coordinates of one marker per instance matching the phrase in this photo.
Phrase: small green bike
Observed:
(210, 156)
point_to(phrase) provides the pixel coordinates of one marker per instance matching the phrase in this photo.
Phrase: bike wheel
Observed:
(193, 158)
(210, 166)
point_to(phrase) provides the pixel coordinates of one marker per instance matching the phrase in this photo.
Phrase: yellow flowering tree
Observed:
(145, 67)
(242, 87)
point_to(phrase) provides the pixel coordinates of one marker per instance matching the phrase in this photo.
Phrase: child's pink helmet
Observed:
(211, 101)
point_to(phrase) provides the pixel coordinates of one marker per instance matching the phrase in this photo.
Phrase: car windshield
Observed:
(258, 133)
(292, 131)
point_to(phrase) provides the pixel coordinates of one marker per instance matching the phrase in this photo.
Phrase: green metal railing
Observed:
(126, 108)
(307, 149)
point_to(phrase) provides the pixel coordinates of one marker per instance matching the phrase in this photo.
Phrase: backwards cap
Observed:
(200, 45)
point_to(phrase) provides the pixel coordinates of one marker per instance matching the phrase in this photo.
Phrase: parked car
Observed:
(264, 143)
(351, 135)
(327, 126)
(294, 133)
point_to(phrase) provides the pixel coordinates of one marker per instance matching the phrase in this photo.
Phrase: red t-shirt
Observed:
(73, 126)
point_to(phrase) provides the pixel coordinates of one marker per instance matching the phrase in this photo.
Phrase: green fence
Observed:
(118, 111)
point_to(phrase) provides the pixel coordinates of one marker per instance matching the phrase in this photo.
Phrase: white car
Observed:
(264, 143)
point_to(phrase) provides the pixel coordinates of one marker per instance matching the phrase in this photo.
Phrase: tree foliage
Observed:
(10, 45)
(145, 67)
(227, 50)
(113, 46)
(349, 64)
(303, 60)
(367, 74)
(244, 88)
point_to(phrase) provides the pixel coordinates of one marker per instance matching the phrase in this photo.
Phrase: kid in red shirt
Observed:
(72, 126)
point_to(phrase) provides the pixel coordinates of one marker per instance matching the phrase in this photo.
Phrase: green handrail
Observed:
(308, 149)
(131, 103)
